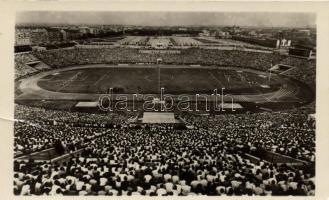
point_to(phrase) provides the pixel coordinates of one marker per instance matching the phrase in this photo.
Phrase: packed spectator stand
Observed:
(205, 160)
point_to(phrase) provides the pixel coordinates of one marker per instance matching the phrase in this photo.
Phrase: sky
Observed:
(260, 19)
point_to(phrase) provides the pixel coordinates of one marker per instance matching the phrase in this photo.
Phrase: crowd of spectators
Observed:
(288, 133)
(179, 41)
(58, 116)
(205, 159)
(186, 41)
(304, 70)
(33, 137)
(249, 59)
(158, 162)
(21, 69)
(134, 40)
(35, 131)
(155, 41)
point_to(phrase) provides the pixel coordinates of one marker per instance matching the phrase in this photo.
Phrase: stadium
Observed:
(262, 143)
(85, 79)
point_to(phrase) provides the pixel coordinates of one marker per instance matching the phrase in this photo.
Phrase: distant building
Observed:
(84, 30)
(265, 35)
(236, 29)
(204, 33)
(64, 35)
(222, 34)
(54, 35)
(22, 37)
(94, 31)
(253, 33)
(39, 36)
(73, 34)
(283, 43)
(305, 32)
(182, 29)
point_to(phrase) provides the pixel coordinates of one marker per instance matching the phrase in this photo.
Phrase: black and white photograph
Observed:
(164, 103)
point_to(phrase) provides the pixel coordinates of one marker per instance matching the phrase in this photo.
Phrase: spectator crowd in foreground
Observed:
(157, 160)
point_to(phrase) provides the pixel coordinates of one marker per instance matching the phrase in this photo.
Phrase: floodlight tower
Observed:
(159, 75)
(159, 79)
(270, 71)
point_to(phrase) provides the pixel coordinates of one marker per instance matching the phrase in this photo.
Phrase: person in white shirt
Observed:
(88, 187)
(25, 189)
(107, 188)
(186, 189)
(113, 191)
(79, 184)
(210, 178)
(175, 179)
(235, 184)
(83, 191)
(135, 194)
(103, 181)
(194, 183)
(220, 190)
(258, 190)
(149, 191)
(169, 187)
(18, 182)
(147, 178)
(54, 189)
(166, 177)
(161, 191)
(156, 174)
(204, 183)
(222, 176)
(182, 182)
(293, 185)
(92, 182)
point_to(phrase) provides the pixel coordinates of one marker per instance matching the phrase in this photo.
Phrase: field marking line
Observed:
(290, 69)
(147, 78)
(244, 98)
(48, 79)
(266, 98)
(52, 77)
(277, 93)
(263, 95)
(70, 80)
(101, 78)
(214, 77)
(283, 91)
(85, 77)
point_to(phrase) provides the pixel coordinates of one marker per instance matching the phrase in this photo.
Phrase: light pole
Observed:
(269, 77)
(159, 75)
(159, 79)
